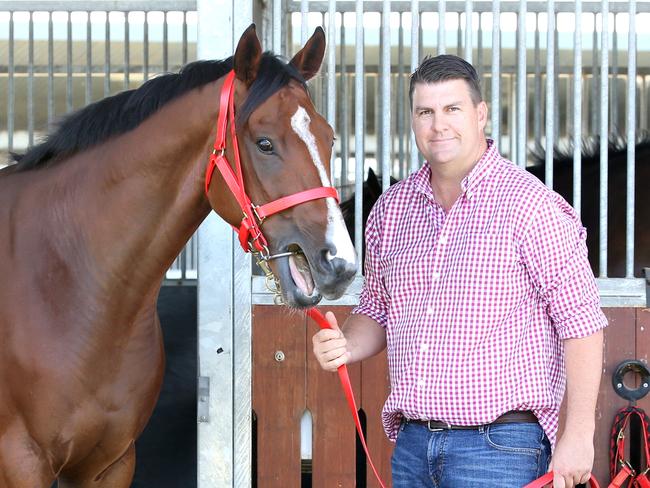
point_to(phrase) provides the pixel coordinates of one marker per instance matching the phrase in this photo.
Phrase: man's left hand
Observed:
(572, 460)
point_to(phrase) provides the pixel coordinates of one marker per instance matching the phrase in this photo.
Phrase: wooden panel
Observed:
(643, 346)
(619, 346)
(375, 386)
(334, 445)
(278, 394)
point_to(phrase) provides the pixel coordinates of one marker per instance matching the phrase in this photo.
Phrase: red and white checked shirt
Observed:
(476, 302)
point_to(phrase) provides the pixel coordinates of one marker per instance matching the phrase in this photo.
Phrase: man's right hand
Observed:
(330, 346)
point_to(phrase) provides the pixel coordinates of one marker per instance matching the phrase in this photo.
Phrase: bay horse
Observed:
(93, 217)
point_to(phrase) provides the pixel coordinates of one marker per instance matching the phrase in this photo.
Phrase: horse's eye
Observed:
(265, 146)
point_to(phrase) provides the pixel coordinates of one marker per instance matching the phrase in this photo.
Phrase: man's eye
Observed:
(265, 146)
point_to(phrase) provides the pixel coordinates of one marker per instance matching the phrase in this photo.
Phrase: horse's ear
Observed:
(308, 60)
(247, 56)
(374, 187)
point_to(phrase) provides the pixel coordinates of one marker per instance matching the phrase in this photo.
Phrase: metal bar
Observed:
(594, 79)
(107, 57)
(184, 61)
(521, 86)
(68, 79)
(537, 87)
(442, 9)
(165, 44)
(479, 49)
(604, 125)
(331, 77)
(95, 5)
(399, 100)
(127, 54)
(415, 61)
(469, 43)
(631, 142)
(613, 122)
(89, 60)
(145, 48)
(277, 26)
(50, 69)
(577, 109)
(359, 130)
(459, 37)
(304, 12)
(11, 86)
(556, 82)
(459, 6)
(387, 141)
(344, 126)
(550, 92)
(496, 75)
(30, 82)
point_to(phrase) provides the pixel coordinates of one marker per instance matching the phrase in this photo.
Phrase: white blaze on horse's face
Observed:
(336, 233)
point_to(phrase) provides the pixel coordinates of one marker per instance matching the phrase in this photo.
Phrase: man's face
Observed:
(448, 127)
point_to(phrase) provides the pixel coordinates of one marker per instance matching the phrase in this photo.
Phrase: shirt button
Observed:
(430, 311)
(435, 276)
(442, 240)
(421, 383)
(424, 347)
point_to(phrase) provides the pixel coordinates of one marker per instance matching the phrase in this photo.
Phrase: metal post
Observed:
(496, 72)
(604, 136)
(577, 109)
(631, 142)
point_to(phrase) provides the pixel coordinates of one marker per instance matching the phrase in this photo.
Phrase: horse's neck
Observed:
(145, 196)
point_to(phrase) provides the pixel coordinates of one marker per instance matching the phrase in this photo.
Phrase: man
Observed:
(477, 282)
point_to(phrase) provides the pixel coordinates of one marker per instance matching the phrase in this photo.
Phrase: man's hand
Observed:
(573, 459)
(330, 346)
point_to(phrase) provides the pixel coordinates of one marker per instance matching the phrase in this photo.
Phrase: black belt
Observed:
(512, 417)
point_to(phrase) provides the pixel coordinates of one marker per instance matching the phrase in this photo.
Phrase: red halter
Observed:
(250, 234)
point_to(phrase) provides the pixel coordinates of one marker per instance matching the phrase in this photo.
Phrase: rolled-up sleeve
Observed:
(554, 251)
(374, 300)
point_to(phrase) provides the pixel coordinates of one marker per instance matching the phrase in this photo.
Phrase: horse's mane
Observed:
(124, 111)
(590, 150)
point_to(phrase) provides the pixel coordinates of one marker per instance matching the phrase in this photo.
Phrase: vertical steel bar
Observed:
(50, 69)
(304, 14)
(595, 104)
(277, 26)
(442, 10)
(459, 37)
(331, 77)
(479, 49)
(30, 81)
(631, 142)
(107, 57)
(184, 59)
(415, 60)
(556, 82)
(359, 129)
(399, 100)
(496, 72)
(469, 38)
(145, 48)
(521, 85)
(68, 79)
(537, 87)
(604, 136)
(577, 109)
(11, 86)
(550, 91)
(127, 53)
(345, 115)
(387, 140)
(165, 45)
(89, 59)
(613, 119)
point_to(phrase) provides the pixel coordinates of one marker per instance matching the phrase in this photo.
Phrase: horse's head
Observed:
(285, 147)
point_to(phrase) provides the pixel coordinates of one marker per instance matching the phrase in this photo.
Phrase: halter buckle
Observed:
(219, 152)
(257, 215)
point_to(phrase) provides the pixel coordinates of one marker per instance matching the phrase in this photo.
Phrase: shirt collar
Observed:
(484, 166)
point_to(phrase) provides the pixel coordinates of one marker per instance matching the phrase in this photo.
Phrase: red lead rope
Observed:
(319, 318)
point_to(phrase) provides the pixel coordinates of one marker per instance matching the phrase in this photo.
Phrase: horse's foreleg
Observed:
(20, 466)
(117, 475)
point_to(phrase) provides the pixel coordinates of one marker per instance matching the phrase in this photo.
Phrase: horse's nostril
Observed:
(338, 267)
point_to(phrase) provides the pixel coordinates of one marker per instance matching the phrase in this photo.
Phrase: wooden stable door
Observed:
(287, 381)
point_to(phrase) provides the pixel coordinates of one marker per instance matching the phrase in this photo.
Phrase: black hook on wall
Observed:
(623, 391)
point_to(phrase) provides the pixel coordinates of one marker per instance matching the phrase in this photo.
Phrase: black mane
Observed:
(126, 110)
(590, 150)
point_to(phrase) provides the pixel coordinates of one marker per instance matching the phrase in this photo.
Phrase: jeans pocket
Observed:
(522, 438)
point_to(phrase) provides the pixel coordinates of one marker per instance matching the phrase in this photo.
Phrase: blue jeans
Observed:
(492, 456)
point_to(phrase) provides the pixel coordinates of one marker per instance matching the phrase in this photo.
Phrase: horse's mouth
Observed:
(299, 288)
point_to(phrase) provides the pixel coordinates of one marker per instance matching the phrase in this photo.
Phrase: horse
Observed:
(616, 190)
(563, 184)
(94, 215)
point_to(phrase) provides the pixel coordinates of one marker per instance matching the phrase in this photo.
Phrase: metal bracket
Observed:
(623, 391)
(203, 407)
(646, 272)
